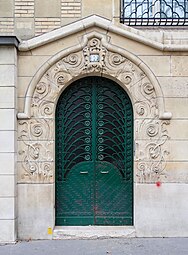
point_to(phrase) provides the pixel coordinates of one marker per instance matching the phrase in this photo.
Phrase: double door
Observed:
(94, 154)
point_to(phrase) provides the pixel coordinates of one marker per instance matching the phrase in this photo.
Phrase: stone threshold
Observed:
(93, 232)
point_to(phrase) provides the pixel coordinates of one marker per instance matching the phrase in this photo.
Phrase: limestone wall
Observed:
(28, 18)
(8, 143)
(152, 66)
(161, 156)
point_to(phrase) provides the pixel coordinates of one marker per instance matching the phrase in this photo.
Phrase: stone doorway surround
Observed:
(36, 125)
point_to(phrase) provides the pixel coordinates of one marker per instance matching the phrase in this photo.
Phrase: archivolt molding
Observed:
(36, 124)
(69, 56)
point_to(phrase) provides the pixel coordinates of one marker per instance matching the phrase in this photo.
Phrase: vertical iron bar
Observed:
(166, 12)
(94, 142)
(185, 10)
(172, 12)
(121, 10)
(135, 11)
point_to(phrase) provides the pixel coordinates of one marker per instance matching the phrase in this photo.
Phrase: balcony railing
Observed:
(154, 12)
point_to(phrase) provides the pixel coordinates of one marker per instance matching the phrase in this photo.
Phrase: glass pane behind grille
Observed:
(94, 154)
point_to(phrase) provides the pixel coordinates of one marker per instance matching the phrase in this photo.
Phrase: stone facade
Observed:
(149, 65)
(8, 145)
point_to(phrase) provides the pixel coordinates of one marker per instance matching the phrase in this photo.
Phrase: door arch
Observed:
(94, 154)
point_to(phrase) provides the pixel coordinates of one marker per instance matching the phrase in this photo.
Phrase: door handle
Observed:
(104, 172)
(86, 172)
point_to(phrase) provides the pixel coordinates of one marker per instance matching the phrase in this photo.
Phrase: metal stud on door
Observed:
(94, 154)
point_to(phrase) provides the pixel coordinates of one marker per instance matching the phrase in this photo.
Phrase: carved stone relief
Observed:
(150, 158)
(35, 150)
(36, 135)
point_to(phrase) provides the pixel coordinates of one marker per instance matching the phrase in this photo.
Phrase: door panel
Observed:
(75, 205)
(113, 196)
(94, 154)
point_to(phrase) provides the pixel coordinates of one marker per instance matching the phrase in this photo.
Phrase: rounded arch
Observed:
(36, 124)
(114, 62)
(94, 151)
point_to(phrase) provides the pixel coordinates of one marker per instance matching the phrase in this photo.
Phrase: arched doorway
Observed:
(94, 154)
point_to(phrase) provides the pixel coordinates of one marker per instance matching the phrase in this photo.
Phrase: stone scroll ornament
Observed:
(36, 135)
(35, 150)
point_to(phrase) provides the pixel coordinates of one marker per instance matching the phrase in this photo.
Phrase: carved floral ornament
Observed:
(95, 57)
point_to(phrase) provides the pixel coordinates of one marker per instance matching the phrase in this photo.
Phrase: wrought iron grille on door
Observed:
(94, 154)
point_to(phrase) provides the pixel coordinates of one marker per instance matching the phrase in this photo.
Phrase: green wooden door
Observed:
(94, 154)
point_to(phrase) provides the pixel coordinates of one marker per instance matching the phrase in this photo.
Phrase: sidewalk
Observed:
(113, 246)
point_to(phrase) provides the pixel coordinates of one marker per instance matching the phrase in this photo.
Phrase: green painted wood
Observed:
(94, 154)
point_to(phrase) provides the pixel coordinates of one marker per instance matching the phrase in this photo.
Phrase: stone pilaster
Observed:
(8, 135)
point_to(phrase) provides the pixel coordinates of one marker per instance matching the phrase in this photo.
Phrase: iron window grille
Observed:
(154, 12)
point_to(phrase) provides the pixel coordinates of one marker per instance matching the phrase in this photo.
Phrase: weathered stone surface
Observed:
(160, 65)
(8, 230)
(39, 207)
(52, 48)
(7, 55)
(8, 119)
(7, 77)
(176, 172)
(178, 107)
(178, 150)
(8, 136)
(178, 130)
(7, 208)
(102, 8)
(8, 141)
(7, 186)
(7, 97)
(8, 163)
(76, 63)
(174, 86)
(133, 46)
(180, 65)
(160, 145)
(23, 83)
(48, 8)
(7, 7)
(24, 27)
(93, 232)
(34, 62)
(161, 211)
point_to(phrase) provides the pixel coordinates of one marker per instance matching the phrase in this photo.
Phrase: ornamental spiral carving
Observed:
(152, 158)
(117, 59)
(41, 88)
(152, 130)
(94, 44)
(72, 59)
(142, 109)
(61, 80)
(127, 79)
(47, 109)
(36, 130)
(156, 168)
(142, 167)
(32, 167)
(34, 151)
(37, 172)
(148, 88)
(154, 150)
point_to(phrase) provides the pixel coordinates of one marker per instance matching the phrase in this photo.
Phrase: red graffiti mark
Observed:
(158, 184)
